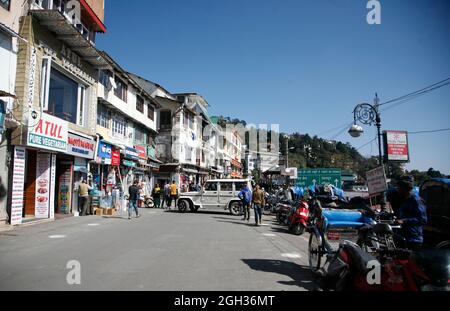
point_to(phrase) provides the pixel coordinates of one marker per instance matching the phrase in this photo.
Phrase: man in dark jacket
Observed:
(133, 191)
(410, 211)
(246, 198)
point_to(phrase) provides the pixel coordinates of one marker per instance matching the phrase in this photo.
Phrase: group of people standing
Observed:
(165, 195)
(254, 199)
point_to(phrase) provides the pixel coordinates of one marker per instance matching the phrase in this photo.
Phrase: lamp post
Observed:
(368, 114)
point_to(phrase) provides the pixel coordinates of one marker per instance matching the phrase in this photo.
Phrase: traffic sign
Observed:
(308, 177)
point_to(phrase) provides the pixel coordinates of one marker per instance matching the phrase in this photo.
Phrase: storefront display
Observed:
(65, 188)
(42, 203)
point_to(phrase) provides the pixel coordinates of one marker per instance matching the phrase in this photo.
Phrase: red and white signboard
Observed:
(397, 146)
(18, 186)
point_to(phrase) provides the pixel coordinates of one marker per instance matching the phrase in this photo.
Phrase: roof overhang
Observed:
(5, 29)
(90, 14)
(54, 21)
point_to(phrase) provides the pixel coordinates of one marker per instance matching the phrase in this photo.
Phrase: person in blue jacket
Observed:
(246, 198)
(410, 210)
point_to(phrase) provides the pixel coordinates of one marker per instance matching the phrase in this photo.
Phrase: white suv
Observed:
(219, 194)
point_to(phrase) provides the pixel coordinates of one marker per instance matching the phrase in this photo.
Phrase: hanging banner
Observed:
(104, 153)
(52, 186)
(115, 157)
(42, 200)
(47, 132)
(376, 180)
(65, 188)
(131, 153)
(396, 146)
(18, 185)
(142, 152)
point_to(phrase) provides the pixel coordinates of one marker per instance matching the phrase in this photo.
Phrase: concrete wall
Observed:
(98, 6)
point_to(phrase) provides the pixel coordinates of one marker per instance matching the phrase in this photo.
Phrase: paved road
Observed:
(159, 251)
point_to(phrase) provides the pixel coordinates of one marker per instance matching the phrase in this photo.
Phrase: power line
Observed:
(366, 144)
(429, 131)
(424, 90)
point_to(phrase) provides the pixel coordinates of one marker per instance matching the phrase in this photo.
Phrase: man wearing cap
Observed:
(410, 211)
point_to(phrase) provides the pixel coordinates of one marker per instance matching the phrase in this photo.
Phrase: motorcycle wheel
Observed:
(315, 251)
(297, 229)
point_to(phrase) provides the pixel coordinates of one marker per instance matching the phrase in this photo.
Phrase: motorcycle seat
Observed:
(358, 256)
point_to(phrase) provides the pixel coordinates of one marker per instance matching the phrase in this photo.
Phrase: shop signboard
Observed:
(142, 152)
(42, 198)
(115, 157)
(309, 177)
(376, 180)
(52, 186)
(104, 153)
(396, 146)
(80, 146)
(129, 163)
(65, 188)
(18, 184)
(131, 153)
(47, 132)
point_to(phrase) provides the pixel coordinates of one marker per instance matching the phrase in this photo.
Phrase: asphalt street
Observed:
(162, 250)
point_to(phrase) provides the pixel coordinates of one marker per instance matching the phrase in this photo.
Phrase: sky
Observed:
(302, 64)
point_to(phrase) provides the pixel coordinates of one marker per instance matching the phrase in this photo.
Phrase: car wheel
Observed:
(183, 205)
(236, 209)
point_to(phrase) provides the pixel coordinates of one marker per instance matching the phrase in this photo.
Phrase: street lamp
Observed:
(369, 115)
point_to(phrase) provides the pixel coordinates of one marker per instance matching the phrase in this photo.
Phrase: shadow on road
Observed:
(301, 275)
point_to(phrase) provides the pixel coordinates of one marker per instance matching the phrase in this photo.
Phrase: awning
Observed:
(188, 170)
(69, 35)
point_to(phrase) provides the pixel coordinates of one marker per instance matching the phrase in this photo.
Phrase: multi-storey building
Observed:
(126, 126)
(56, 90)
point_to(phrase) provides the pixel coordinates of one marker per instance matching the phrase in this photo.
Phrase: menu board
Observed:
(52, 186)
(42, 203)
(18, 186)
(65, 188)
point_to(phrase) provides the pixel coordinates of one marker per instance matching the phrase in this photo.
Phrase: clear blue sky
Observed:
(302, 64)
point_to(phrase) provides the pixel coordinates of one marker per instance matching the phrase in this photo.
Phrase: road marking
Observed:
(269, 234)
(93, 225)
(57, 236)
(291, 255)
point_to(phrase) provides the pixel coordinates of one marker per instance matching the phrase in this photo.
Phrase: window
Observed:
(104, 79)
(238, 186)
(5, 4)
(188, 156)
(166, 119)
(140, 104)
(151, 112)
(226, 186)
(65, 98)
(211, 186)
(118, 126)
(121, 89)
(139, 135)
(191, 122)
(103, 116)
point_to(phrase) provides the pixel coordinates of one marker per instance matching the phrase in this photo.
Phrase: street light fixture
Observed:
(369, 115)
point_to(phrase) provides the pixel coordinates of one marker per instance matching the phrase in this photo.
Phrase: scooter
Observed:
(298, 221)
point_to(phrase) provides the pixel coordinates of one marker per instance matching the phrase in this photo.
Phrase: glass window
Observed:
(63, 97)
(103, 116)
(151, 112)
(211, 186)
(227, 186)
(140, 104)
(118, 126)
(166, 120)
(238, 186)
(104, 78)
(139, 135)
(121, 89)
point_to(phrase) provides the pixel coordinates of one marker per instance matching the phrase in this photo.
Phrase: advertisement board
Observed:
(396, 146)
(18, 184)
(47, 132)
(376, 180)
(42, 199)
(80, 146)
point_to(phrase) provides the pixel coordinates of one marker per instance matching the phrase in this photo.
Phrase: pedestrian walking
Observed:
(173, 193)
(246, 198)
(156, 194)
(167, 194)
(258, 201)
(83, 197)
(133, 192)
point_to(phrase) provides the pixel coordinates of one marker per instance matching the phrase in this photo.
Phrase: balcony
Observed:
(74, 16)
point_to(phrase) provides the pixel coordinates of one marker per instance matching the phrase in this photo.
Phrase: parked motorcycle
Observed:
(400, 269)
(298, 221)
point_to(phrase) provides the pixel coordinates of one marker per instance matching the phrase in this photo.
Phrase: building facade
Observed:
(56, 89)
